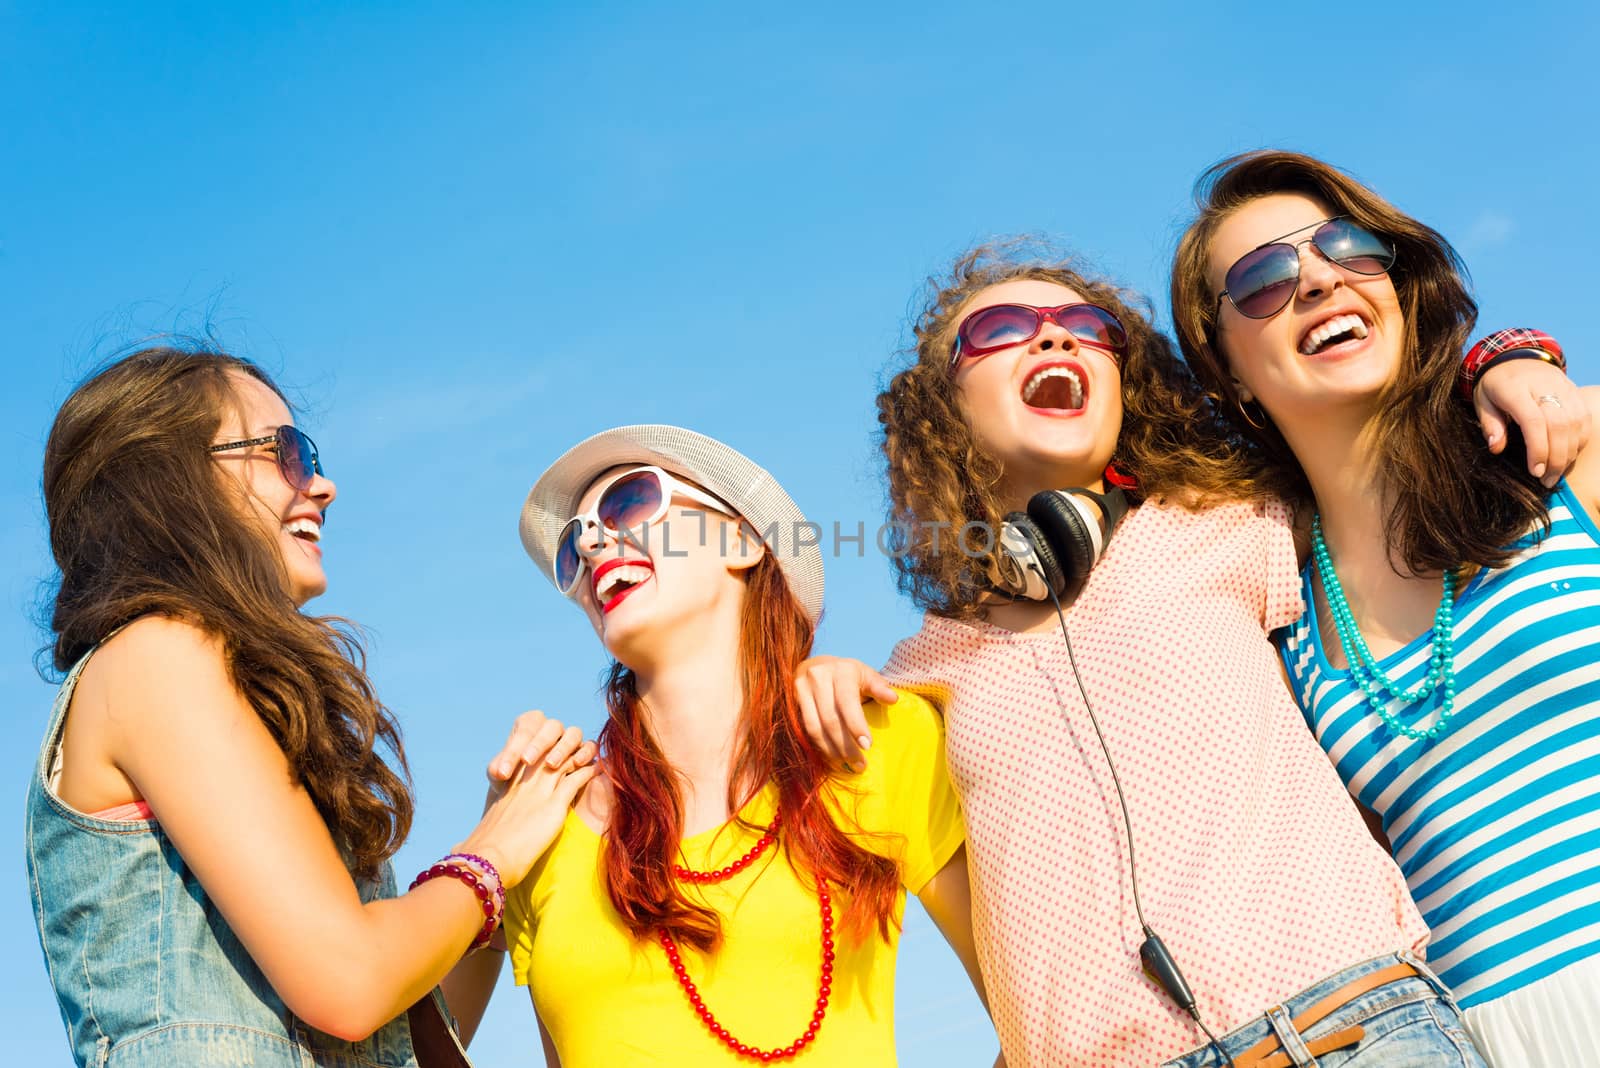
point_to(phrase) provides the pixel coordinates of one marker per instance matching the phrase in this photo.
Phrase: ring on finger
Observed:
(1550, 399)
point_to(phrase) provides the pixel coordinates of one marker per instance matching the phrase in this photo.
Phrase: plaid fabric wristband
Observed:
(1517, 343)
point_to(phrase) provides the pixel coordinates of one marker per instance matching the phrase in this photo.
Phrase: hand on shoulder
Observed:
(830, 691)
(1546, 406)
(533, 782)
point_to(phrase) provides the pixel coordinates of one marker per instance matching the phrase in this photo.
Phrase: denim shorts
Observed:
(1409, 1023)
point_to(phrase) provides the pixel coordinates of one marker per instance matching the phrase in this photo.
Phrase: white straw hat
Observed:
(716, 468)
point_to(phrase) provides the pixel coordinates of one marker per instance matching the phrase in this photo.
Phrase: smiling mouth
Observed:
(1335, 331)
(1058, 387)
(304, 529)
(618, 581)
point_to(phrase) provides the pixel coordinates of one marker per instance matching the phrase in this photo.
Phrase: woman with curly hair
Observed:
(210, 822)
(720, 895)
(1448, 659)
(1143, 803)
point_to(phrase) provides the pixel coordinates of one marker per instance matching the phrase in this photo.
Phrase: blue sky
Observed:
(469, 237)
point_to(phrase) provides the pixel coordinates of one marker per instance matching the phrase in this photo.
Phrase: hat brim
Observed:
(722, 471)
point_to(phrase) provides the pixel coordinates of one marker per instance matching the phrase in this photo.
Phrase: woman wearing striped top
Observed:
(1447, 662)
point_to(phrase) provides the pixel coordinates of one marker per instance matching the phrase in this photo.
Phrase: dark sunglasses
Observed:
(1263, 281)
(296, 454)
(628, 503)
(1002, 325)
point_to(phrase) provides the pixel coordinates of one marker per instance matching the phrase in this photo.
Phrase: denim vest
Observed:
(145, 969)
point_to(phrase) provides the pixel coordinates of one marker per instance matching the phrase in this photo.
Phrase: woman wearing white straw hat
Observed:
(714, 887)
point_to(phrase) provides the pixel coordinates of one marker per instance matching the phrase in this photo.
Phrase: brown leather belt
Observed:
(1262, 1054)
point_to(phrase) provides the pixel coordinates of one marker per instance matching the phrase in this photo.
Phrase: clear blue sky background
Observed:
(471, 236)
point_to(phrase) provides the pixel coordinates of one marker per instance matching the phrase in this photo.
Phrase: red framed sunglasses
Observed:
(1000, 326)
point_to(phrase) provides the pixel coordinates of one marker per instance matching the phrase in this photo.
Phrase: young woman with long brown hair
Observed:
(211, 820)
(1152, 777)
(718, 895)
(1448, 660)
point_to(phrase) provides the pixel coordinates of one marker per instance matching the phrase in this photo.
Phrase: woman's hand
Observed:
(534, 735)
(1545, 405)
(471, 983)
(830, 690)
(533, 781)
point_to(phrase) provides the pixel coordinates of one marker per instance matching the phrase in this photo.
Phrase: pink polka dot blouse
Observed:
(1254, 865)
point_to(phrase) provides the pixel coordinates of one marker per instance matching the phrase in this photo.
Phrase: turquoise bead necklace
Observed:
(1374, 682)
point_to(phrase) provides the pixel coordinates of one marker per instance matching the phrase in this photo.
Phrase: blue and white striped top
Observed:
(1496, 823)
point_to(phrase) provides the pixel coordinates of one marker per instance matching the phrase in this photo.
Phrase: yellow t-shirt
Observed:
(609, 1000)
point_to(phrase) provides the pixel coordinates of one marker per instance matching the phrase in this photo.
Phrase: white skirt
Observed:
(1554, 1023)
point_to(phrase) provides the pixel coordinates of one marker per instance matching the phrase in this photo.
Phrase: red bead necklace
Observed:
(767, 838)
(824, 986)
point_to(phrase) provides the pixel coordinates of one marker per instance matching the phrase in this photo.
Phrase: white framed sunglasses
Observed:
(629, 502)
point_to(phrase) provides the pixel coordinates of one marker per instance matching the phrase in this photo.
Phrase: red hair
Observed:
(647, 819)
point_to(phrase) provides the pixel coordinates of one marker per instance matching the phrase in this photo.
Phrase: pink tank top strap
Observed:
(132, 810)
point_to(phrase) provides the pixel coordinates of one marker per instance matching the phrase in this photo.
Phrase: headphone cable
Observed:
(1159, 964)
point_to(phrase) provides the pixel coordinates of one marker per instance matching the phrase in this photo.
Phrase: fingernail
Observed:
(504, 768)
(1538, 470)
(864, 741)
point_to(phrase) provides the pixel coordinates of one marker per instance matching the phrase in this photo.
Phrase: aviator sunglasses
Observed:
(1261, 283)
(1002, 325)
(630, 502)
(296, 454)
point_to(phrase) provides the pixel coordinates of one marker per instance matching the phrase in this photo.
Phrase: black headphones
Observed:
(1051, 547)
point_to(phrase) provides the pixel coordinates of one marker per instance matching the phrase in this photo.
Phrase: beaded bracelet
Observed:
(489, 871)
(492, 908)
(1502, 346)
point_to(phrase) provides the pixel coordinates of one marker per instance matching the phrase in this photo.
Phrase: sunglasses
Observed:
(296, 454)
(1263, 281)
(630, 502)
(1003, 325)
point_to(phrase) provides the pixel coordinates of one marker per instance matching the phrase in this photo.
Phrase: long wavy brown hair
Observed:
(941, 477)
(144, 523)
(1447, 500)
(647, 820)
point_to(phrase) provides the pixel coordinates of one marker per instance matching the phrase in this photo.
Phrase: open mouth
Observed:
(1334, 331)
(304, 529)
(1057, 387)
(615, 580)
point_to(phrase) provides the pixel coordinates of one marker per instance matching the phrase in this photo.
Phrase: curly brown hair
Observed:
(940, 476)
(141, 523)
(1447, 500)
